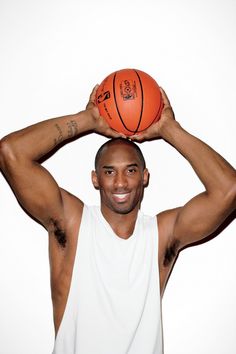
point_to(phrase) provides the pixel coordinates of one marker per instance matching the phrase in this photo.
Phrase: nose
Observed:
(120, 181)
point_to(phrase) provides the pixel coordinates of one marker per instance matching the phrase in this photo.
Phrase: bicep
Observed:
(200, 217)
(36, 191)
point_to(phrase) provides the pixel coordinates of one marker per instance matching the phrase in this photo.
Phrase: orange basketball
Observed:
(130, 100)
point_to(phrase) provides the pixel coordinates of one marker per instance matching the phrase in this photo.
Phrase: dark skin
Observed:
(120, 178)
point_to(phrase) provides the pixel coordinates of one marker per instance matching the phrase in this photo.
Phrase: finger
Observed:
(147, 134)
(114, 134)
(164, 97)
(92, 97)
(106, 130)
(137, 137)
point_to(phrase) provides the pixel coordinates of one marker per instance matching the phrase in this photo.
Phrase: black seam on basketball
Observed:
(114, 93)
(141, 113)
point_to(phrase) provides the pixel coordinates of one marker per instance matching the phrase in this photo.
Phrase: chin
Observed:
(123, 209)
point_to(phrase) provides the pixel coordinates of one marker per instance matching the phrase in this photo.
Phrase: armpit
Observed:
(58, 232)
(171, 253)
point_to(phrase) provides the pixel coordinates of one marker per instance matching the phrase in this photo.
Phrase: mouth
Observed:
(121, 197)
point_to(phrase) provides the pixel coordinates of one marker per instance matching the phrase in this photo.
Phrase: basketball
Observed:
(130, 101)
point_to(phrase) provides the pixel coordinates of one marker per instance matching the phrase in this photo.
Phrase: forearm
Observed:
(39, 139)
(214, 171)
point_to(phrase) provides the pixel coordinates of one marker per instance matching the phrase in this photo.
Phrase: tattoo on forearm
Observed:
(72, 129)
(59, 139)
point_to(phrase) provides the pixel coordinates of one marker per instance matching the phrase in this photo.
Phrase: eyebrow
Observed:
(130, 165)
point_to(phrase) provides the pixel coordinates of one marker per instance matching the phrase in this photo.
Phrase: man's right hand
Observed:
(98, 123)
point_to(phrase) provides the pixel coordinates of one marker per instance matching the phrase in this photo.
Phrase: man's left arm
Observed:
(204, 213)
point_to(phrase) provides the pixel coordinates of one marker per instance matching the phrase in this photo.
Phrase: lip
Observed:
(121, 197)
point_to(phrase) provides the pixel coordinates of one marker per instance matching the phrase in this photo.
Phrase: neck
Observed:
(122, 224)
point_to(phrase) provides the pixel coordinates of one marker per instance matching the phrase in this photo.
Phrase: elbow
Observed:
(233, 195)
(224, 197)
(7, 156)
(230, 195)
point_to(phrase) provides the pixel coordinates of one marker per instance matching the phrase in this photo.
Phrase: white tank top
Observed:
(113, 305)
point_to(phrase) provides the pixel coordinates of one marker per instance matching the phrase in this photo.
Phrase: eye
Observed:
(132, 170)
(109, 172)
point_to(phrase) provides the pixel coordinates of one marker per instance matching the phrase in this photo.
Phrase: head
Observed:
(120, 175)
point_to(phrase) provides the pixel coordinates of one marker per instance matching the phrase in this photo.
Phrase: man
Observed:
(110, 264)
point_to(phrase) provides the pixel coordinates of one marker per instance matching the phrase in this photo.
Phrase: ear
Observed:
(95, 179)
(145, 177)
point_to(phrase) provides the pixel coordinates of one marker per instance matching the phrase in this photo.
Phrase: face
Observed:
(120, 177)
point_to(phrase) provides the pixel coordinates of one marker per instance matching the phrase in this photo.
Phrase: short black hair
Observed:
(125, 141)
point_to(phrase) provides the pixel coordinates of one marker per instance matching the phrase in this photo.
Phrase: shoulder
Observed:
(73, 211)
(72, 205)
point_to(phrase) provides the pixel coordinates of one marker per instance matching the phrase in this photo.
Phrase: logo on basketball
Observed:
(128, 90)
(103, 96)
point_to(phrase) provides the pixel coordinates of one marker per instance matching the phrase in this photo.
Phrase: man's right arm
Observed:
(34, 187)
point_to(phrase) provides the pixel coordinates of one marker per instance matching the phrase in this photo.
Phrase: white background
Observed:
(52, 54)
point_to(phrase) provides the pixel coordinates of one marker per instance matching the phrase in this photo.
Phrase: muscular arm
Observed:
(205, 212)
(33, 185)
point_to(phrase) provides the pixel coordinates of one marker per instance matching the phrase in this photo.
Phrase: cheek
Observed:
(104, 184)
(137, 187)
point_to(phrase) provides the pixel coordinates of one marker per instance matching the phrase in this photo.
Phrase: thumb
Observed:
(165, 98)
(92, 98)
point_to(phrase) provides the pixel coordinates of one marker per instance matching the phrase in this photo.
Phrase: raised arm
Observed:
(34, 187)
(205, 212)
